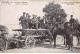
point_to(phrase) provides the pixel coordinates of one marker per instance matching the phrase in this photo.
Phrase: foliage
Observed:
(53, 10)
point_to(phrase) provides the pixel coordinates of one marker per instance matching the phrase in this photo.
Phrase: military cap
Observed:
(24, 13)
(71, 15)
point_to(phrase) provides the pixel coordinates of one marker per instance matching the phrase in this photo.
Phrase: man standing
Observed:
(43, 22)
(38, 21)
(33, 21)
(69, 36)
(28, 20)
(23, 23)
(22, 20)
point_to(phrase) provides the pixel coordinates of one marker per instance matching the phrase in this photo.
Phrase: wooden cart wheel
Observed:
(30, 42)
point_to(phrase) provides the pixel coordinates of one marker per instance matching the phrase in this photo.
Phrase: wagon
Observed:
(28, 37)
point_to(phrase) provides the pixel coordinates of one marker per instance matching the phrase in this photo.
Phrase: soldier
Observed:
(43, 22)
(33, 21)
(38, 22)
(22, 20)
(28, 20)
(72, 20)
(69, 36)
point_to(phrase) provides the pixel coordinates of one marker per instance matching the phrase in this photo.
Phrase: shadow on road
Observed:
(58, 46)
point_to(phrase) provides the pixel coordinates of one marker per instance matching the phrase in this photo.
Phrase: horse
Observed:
(58, 31)
(77, 31)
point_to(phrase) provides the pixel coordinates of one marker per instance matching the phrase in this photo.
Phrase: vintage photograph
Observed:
(40, 26)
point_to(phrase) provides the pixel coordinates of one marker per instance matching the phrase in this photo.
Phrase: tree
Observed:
(53, 10)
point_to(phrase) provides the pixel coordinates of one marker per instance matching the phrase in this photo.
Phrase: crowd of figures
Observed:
(35, 22)
(31, 23)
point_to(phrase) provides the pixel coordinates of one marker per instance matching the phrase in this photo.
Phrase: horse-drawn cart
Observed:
(28, 37)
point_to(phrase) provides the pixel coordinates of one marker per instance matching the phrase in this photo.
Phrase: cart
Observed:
(29, 38)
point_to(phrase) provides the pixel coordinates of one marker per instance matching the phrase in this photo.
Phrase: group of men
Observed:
(31, 23)
(35, 22)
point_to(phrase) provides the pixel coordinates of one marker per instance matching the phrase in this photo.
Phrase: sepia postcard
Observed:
(39, 26)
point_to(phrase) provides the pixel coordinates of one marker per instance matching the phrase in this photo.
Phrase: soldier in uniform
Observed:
(33, 21)
(28, 20)
(69, 36)
(38, 22)
(44, 22)
(22, 20)
(72, 20)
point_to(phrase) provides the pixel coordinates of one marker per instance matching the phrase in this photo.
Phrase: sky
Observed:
(13, 12)
(10, 14)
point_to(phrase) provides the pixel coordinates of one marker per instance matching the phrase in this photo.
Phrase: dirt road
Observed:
(45, 47)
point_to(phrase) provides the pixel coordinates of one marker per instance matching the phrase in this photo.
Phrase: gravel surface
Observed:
(45, 47)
